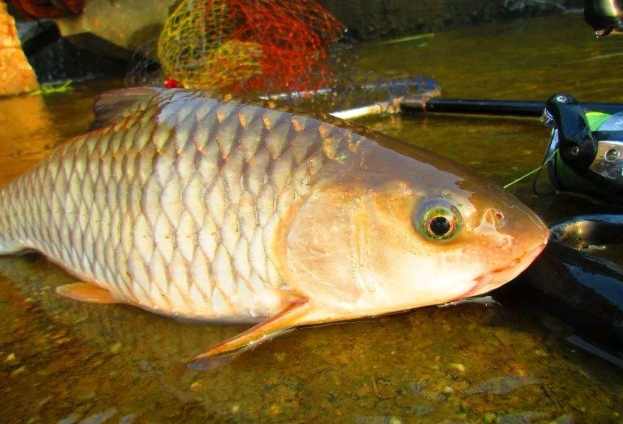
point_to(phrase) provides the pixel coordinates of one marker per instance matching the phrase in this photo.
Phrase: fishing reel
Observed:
(585, 152)
(604, 16)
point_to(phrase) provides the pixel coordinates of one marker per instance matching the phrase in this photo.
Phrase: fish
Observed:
(218, 210)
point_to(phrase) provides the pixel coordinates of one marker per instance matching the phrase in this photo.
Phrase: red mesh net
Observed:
(242, 45)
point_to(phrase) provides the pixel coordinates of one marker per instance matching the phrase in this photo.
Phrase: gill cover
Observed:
(326, 253)
(342, 243)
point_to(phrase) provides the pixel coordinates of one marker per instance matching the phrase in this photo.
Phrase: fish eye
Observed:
(439, 220)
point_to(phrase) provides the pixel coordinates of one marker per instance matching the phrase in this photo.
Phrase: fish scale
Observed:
(179, 216)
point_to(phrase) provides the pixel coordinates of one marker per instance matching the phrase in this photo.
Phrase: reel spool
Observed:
(585, 153)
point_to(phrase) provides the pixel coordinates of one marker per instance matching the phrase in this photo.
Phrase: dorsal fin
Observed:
(109, 107)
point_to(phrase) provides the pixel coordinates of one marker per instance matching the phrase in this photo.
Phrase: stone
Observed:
(16, 74)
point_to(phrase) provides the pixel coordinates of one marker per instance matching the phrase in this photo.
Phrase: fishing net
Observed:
(144, 68)
(242, 45)
(290, 52)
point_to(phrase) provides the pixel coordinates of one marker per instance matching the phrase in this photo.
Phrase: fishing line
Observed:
(533, 171)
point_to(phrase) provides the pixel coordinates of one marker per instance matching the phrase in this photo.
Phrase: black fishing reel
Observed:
(585, 153)
(604, 16)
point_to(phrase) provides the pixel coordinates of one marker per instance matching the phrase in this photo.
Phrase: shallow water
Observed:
(64, 361)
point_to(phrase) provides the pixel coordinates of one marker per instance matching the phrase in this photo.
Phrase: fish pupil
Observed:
(440, 225)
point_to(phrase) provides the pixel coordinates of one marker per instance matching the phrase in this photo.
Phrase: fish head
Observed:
(395, 233)
(443, 244)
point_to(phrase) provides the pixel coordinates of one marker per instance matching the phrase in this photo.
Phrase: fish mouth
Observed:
(498, 277)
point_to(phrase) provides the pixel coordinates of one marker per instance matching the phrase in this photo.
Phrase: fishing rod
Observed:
(429, 102)
(426, 103)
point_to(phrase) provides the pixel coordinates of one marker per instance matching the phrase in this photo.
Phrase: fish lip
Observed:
(485, 279)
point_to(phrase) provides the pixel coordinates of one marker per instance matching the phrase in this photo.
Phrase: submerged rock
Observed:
(501, 385)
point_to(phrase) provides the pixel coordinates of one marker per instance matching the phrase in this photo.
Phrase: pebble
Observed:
(459, 367)
(447, 390)
(18, 371)
(44, 401)
(489, 417)
(116, 348)
(11, 359)
(196, 385)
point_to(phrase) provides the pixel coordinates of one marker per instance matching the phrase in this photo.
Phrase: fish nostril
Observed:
(495, 217)
(498, 217)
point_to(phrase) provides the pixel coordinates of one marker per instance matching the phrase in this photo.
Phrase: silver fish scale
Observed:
(174, 208)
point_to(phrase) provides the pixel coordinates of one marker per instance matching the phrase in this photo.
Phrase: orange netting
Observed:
(246, 45)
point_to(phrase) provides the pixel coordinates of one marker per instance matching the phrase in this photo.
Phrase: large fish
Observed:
(219, 211)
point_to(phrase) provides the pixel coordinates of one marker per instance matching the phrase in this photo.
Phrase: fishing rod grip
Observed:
(417, 104)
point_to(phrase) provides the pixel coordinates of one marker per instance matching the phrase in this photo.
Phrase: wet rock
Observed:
(119, 29)
(62, 60)
(35, 34)
(501, 385)
(16, 74)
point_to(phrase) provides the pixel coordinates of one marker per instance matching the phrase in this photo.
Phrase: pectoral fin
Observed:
(282, 322)
(86, 292)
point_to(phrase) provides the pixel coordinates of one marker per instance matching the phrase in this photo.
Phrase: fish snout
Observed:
(516, 230)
